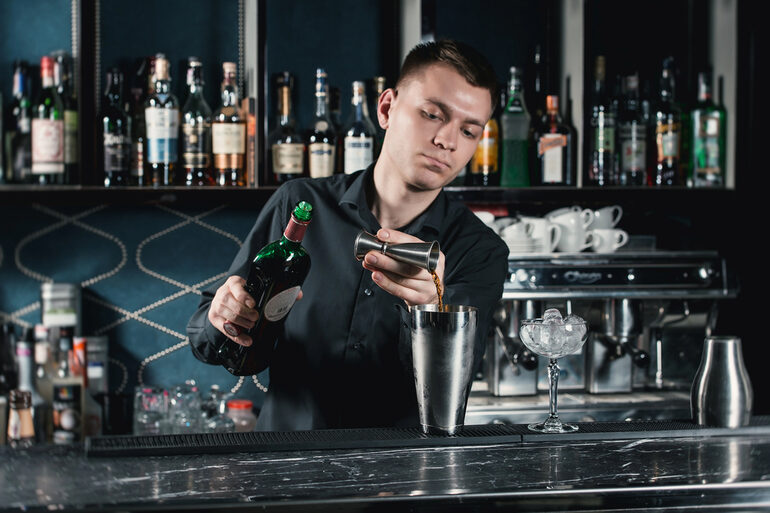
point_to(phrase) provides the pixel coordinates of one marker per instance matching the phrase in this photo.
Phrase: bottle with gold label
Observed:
(554, 148)
(228, 133)
(196, 129)
(323, 139)
(287, 146)
(485, 164)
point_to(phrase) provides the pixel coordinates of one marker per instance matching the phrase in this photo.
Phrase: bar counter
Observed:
(656, 473)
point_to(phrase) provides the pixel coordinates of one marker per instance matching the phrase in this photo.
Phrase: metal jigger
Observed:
(421, 254)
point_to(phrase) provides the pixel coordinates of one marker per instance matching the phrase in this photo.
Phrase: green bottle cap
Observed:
(303, 211)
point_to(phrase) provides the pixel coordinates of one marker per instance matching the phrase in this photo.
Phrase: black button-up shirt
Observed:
(343, 359)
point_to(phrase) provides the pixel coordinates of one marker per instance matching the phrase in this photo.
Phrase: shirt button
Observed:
(357, 346)
(368, 292)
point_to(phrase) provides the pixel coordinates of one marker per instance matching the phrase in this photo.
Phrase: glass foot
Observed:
(552, 427)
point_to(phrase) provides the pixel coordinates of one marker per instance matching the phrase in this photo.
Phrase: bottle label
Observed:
(287, 158)
(485, 158)
(70, 136)
(116, 153)
(633, 147)
(321, 159)
(667, 141)
(603, 126)
(280, 304)
(549, 148)
(196, 144)
(228, 138)
(359, 153)
(162, 134)
(706, 147)
(47, 146)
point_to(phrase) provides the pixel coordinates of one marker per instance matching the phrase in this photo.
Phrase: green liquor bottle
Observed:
(517, 127)
(275, 277)
(708, 132)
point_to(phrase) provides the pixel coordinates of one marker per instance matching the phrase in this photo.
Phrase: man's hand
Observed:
(233, 304)
(411, 283)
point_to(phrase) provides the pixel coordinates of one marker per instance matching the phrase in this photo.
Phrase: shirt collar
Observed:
(354, 199)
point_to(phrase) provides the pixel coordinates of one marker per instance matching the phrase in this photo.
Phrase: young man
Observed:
(344, 356)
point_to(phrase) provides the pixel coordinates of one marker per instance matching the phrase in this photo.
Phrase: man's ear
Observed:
(384, 103)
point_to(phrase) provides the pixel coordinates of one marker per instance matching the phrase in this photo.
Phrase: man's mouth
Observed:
(436, 162)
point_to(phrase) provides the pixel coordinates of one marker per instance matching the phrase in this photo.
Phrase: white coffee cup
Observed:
(608, 240)
(575, 242)
(573, 224)
(606, 217)
(518, 231)
(545, 234)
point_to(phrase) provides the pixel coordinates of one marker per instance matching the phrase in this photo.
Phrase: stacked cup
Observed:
(607, 238)
(518, 237)
(574, 222)
(545, 234)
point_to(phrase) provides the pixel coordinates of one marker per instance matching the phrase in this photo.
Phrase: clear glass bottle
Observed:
(196, 129)
(63, 77)
(359, 133)
(554, 148)
(228, 133)
(322, 141)
(632, 136)
(287, 147)
(161, 117)
(709, 135)
(275, 276)
(240, 411)
(601, 154)
(517, 132)
(19, 144)
(48, 130)
(115, 132)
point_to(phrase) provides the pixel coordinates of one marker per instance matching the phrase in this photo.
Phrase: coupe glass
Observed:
(554, 339)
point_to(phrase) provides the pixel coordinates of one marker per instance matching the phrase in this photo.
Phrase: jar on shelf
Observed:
(240, 410)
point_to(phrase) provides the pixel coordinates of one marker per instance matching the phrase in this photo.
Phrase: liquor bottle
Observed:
(708, 131)
(68, 393)
(632, 136)
(359, 133)
(287, 147)
(378, 87)
(196, 129)
(322, 140)
(667, 126)
(161, 117)
(18, 137)
(228, 133)
(40, 409)
(600, 162)
(92, 410)
(115, 132)
(139, 82)
(21, 430)
(63, 80)
(516, 126)
(275, 277)
(484, 166)
(48, 130)
(554, 148)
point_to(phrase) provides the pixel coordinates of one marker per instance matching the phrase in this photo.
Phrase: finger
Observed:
(376, 261)
(414, 292)
(239, 308)
(234, 332)
(237, 287)
(235, 318)
(299, 295)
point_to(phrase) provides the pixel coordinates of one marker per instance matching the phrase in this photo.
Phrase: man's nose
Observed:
(446, 137)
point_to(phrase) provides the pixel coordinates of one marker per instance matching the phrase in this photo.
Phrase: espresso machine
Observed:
(648, 313)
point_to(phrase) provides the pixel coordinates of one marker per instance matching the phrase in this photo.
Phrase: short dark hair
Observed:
(463, 58)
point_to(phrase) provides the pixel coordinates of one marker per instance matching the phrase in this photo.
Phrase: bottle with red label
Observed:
(275, 277)
(48, 130)
(554, 148)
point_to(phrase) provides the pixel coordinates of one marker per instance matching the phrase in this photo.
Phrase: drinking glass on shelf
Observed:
(553, 337)
(150, 408)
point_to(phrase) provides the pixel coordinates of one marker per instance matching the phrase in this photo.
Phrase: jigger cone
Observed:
(421, 254)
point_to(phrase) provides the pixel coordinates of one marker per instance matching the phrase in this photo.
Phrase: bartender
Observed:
(343, 359)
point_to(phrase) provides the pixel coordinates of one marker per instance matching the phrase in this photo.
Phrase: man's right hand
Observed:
(233, 304)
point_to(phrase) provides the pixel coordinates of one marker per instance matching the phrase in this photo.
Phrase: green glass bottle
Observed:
(275, 277)
(708, 131)
(517, 129)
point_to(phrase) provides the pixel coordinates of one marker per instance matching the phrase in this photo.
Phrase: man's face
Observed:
(433, 124)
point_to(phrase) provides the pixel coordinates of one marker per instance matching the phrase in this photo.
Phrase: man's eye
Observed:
(469, 134)
(430, 115)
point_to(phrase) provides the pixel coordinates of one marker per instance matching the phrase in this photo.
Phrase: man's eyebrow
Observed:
(448, 112)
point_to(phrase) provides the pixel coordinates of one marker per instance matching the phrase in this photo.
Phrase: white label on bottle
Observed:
(47, 146)
(359, 153)
(321, 157)
(552, 158)
(162, 134)
(70, 136)
(280, 304)
(287, 158)
(228, 138)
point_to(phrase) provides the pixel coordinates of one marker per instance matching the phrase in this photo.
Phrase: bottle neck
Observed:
(18, 85)
(162, 86)
(284, 106)
(196, 89)
(360, 110)
(47, 81)
(321, 105)
(515, 101)
(295, 230)
(229, 94)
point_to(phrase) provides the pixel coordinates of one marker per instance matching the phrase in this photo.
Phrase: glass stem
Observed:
(553, 381)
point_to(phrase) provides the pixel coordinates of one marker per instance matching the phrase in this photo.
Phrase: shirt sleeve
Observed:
(204, 338)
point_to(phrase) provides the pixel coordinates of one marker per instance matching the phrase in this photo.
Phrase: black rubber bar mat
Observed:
(329, 439)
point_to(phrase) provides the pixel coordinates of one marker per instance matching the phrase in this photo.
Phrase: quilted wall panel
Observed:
(141, 269)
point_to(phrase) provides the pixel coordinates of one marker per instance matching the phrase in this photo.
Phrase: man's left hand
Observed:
(411, 283)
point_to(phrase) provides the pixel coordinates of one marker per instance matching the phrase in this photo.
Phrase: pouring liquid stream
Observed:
(437, 282)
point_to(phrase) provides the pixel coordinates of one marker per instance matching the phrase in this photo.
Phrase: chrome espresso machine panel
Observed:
(648, 312)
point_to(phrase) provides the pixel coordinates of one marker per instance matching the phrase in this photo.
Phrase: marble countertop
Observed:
(645, 473)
